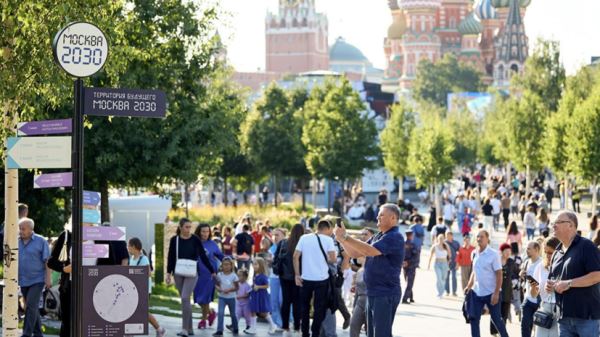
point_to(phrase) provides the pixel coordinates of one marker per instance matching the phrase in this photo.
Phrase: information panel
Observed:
(125, 102)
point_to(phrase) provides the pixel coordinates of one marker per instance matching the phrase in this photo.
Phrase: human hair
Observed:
(22, 208)
(553, 243)
(226, 230)
(262, 266)
(596, 239)
(182, 222)
(27, 220)
(264, 228)
(440, 219)
(229, 260)
(295, 234)
(485, 232)
(543, 216)
(594, 222)
(393, 208)
(245, 227)
(199, 230)
(513, 229)
(323, 224)
(530, 209)
(571, 216)
(135, 243)
(243, 273)
(536, 245)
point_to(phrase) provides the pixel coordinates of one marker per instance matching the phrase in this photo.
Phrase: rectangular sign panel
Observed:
(115, 301)
(92, 250)
(104, 233)
(50, 180)
(125, 102)
(38, 152)
(91, 216)
(91, 198)
(45, 127)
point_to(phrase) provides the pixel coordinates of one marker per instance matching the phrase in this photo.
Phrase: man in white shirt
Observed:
(530, 303)
(312, 249)
(497, 209)
(448, 213)
(484, 285)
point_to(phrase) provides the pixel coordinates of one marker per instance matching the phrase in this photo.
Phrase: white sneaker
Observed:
(251, 331)
(287, 333)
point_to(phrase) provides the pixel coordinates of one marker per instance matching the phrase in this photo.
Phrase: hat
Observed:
(504, 246)
(409, 231)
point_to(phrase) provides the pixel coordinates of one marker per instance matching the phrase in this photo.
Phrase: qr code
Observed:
(93, 272)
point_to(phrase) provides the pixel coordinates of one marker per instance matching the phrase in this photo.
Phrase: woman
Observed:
(523, 207)
(596, 239)
(185, 247)
(543, 220)
(540, 274)
(514, 204)
(514, 238)
(226, 243)
(593, 227)
(529, 223)
(441, 251)
(488, 218)
(283, 262)
(274, 282)
(509, 269)
(60, 261)
(204, 292)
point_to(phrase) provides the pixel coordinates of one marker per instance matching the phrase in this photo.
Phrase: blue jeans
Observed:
(230, 303)
(529, 308)
(476, 309)
(576, 327)
(530, 233)
(381, 311)
(33, 323)
(441, 273)
(451, 275)
(460, 218)
(275, 292)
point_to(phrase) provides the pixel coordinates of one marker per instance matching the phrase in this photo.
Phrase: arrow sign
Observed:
(53, 180)
(104, 233)
(125, 102)
(91, 198)
(91, 216)
(91, 250)
(38, 152)
(45, 127)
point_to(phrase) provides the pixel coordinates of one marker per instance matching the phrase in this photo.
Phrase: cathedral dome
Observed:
(484, 10)
(412, 4)
(343, 51)
(506, 3)
(397, 28)
(470, 25)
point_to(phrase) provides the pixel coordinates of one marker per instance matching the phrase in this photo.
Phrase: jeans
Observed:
(291, 297)
(409, 277)
(505, 214)
(275, 294)
(381, 311)
(530, 233)
(244, 264)
(33, 323)
(496, 220)
(476, 309)
(460, 218)
(230, 303)
(328, 327)
(576, 327)
(441, 273)
(318, 290)
(529, 308)
(504, 311)
(451, 275)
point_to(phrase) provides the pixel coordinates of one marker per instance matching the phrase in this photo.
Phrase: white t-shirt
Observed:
(540, 274)
(496, 204)
(227, 281)
(448, 212)
(314, 266)
(530, 271)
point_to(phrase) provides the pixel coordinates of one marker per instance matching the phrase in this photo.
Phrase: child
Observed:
(359, 317)
(227, 285)
(137, 258)
(242, 308)
(260, 302)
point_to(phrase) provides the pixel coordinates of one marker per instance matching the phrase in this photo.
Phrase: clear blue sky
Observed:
(364, 23)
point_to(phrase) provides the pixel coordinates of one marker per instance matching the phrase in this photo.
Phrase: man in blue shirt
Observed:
(33, 274)
(384, 257)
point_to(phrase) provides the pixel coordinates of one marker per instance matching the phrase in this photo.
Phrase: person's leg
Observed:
(275, 287)
(506, 213)
(306, 292)
(409, 276)
(221, 314)
(566, 328)
(465, 273)
(342, 307)
(439, 277)
(320, 306)
(529, 309)
(496, 316)
(32, 323)
(286, 291)
(453, 275)
(328, 325)
(476, 309)
(153, 322)
(296, 306)
(65, 309)
(384, 311)
(358, 317)
(187, 288)
(587, 327)
(230, 303)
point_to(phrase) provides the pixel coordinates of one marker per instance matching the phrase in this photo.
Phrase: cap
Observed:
(504, 246)
(409, 231)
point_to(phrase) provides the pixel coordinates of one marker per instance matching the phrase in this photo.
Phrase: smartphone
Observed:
(338, 222)
(531, 279)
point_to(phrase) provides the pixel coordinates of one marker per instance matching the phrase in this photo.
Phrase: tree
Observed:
(430, 156)
(338, 135)
(436, 80)
(395, 142)
(466, 131)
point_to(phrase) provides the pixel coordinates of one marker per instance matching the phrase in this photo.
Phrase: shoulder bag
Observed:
(184, 267)
(332, 299)
(542, 318)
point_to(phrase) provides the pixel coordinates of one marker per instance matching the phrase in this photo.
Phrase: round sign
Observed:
(81, 49)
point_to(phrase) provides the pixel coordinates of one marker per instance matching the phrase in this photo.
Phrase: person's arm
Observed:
(48, 277)
(345, 260)
(496, 294)
(233, 244)
(585, 281)
(171, 256)
(430, 257)
(53, 262)
(202, 254)
(298, 277)
(471, 281)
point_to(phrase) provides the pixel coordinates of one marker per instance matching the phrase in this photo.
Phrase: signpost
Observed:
(45, 127)
(91, 198)
(91, 216)
(39, 152)
(104, 233)
(50, 180)
(92, 250)
(125, 102)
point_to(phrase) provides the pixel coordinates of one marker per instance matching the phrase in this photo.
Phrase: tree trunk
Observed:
(508, 174)
(303, 188)
(527, 181)
(314, 193)
(104, 206)
(436, 196)
(10, 319)
(275, 181)
(594, 195)
(401, 188)
(226, 195)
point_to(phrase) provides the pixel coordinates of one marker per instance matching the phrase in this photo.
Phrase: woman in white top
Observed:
(540, 274)
(441, 251)
(529, 223)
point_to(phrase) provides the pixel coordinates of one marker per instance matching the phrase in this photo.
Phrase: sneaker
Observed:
(182, 334)
(211, 317)
(161, 332)
(202, 324)
(272, 331)
(250, 331)
(287, 333)
(229, 327)
(218, 333)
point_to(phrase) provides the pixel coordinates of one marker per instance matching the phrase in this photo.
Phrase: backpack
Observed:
(440, 230)
(244, 243)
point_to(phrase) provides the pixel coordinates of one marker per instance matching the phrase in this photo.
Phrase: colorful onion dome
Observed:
(484, 10)
(506, 3)
(470, 25)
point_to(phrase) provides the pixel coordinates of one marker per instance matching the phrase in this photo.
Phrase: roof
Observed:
(506, 3)
(470, 25)
(343, 51)
(484, 10)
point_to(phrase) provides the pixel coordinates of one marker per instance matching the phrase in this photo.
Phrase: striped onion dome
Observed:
(470, 25)
(417, 4)
(484, 10)
(506, 3)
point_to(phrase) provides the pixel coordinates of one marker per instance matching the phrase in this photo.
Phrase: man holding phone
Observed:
(530, 303)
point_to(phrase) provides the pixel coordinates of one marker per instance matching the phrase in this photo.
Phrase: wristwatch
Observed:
(569, 283)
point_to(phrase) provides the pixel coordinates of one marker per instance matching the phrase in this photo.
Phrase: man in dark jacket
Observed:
(411, 262)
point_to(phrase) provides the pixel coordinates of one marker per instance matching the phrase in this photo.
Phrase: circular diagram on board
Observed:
(115, 298)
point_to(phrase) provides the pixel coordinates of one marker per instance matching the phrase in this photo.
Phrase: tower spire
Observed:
(514, 42)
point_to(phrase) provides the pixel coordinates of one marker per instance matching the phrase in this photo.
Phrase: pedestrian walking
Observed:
(485, 285)
(449, 213)
(442, 253)
(496, 210)
(575, 279)
(60, 261)
(359, 313)
(185, 249)
(411, 262)
(576, 199)
(242, 306)
(509, 268)
(204, 291)
(488, 219)
(514, 237)
(548, 300)
(454, 246)
(243, 247)
(227, 286)
(260, 301)
(274, 282)
(439, 229)
(529, 223)
(384, 257)
(33, 274)
(505, 203)
(463, 259)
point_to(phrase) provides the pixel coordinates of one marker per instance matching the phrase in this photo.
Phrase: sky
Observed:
(363, 23)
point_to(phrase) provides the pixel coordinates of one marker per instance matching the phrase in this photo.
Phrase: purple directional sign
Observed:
(45, 127)
(92, 250)
(104, 233)
(125, 102)
(50, 180)
(91, 198)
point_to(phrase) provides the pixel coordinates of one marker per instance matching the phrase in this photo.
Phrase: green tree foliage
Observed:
(339, 137)
(465, 131)
(436, 80)
(493, 145)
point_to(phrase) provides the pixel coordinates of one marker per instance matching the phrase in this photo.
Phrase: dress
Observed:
(259, 299)
(204, 291)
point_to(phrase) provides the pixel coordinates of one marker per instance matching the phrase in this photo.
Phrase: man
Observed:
(549, 196)
(448, 211)
(461, 207)
(575, 279)
(314, 278)
(496, 209)
(418, 233)
(454, 247)
(484, 285)
(530, 303)
(438, 229)
(23, 211)
(384, 257)
(505, 202)
(411, 262)
(33, 274)
(243, 246)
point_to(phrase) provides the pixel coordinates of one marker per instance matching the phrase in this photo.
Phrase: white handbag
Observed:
(184, 267)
